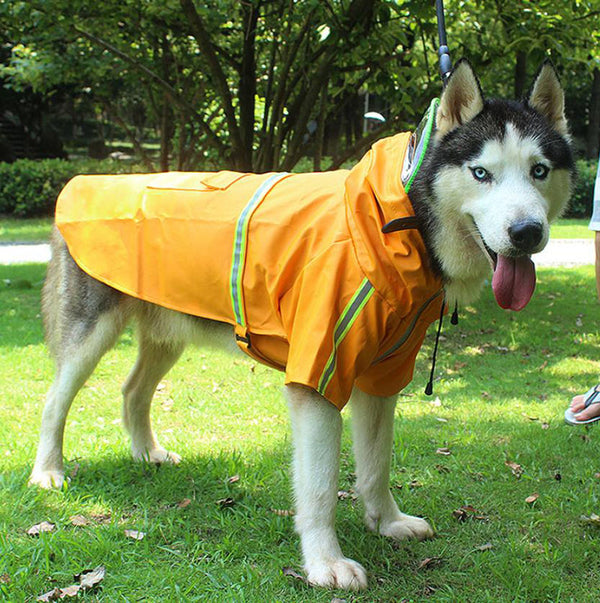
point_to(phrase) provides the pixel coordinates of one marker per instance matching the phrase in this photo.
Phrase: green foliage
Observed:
(581, 202)
(245, 82)
(30, 187)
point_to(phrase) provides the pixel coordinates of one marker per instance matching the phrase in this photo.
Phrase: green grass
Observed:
(571, 228)
(503, 381)
(32, 230)
(24, 230)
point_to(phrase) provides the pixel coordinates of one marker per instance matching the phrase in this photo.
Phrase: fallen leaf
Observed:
(515, 468)
(233, 479)
(442, 469)
(593, 519)
(70, 591)
(184, 503)
(101, 517)
(436, 403)
(597, 475)
(91, 578)
(415, 483)
(53, 595)
(290, 572)
(38, 528)
(532, 498)
(468, 512)
(79, 521)
(135, 534)
(283, 512)
(543, 365)
(460, 514)
(429, 562)
(5, 579)
(529, 418)
(225, 503)
(485, 547)
(88, 580)
(545, 425)
(444, 451)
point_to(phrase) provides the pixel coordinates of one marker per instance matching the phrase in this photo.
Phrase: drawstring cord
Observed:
(454, 321)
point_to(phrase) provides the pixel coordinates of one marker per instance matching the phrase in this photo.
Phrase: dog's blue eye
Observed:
(540, 171)
(481, 174)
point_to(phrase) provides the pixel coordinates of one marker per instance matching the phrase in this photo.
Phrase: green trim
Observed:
(430, 117)
(342, 326)
(239, 246)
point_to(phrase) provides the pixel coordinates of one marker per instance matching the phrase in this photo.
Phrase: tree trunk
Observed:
(593, 129)
(520, 74)
(320, 133)
(247, 90)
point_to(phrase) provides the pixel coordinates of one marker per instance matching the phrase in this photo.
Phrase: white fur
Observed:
(474, 209)
(316, 429)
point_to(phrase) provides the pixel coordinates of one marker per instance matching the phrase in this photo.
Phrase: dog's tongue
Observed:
(513, 282)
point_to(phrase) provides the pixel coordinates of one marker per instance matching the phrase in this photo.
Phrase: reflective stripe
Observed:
(421, 144)
(411, 328)
(240, 244)
(345, 321)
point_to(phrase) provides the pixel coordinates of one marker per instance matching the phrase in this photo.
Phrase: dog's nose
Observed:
(526, 235)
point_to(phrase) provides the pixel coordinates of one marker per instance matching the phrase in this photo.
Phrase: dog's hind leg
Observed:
(316, 430)
(153, 362)
(373, 430)
(84, 345)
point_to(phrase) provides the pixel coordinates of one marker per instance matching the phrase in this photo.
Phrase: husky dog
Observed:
(497, 172)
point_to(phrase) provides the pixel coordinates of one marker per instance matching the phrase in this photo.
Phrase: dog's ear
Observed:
(462, 99)
(547, 97)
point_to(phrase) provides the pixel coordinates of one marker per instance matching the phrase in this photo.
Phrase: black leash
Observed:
(443, 50)
(412, 221)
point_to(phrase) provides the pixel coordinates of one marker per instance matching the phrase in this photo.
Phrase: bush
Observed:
(583, 193)
(30, 187)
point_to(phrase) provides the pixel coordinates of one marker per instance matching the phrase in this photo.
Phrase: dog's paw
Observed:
(157, 456)
(337, 573)
(405, 528)
(47, 479)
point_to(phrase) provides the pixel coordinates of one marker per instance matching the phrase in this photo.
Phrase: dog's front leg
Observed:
(373, 430)
(316, 429)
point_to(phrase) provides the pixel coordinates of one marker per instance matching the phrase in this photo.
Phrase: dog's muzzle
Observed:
(526, 235)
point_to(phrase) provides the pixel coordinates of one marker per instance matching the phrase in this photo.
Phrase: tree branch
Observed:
(220, 81)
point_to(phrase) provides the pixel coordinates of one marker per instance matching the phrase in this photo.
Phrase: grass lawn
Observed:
(24, 230)
(571, 228)
(503, 381)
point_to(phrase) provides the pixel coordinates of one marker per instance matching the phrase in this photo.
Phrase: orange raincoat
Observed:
(296, 262)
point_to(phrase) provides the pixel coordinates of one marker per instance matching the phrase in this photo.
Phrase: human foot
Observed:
(585, 408)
